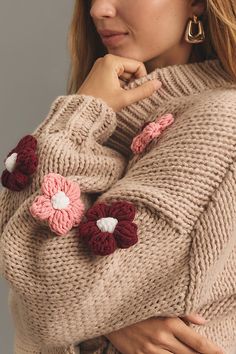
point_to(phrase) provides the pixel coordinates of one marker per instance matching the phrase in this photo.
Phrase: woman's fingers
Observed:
(126, 77)
(141, 92)
(194, 318)
(177, 347)
(122, 83)
(126, 65)
(128, 69)
(195, 341)
(108, 77)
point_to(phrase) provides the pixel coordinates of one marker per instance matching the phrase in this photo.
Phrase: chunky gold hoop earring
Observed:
(189, 36)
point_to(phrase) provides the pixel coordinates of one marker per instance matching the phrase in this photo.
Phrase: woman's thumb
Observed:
(143, 91)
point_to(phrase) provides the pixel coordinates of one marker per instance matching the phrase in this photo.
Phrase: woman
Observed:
(159, 243)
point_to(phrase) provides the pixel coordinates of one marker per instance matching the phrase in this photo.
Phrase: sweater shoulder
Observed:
(220, 94)
(217, 106)
(189, 161)
(209, 122)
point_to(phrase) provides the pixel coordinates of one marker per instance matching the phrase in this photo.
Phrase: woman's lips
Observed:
(114, 39)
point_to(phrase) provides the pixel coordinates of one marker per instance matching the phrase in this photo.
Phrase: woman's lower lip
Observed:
(115, 39)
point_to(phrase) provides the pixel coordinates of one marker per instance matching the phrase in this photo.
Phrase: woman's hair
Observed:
(85, 45)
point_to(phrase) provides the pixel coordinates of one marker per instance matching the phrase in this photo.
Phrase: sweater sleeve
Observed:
(72, 144)
(8, 200)
(69, 143)
(212, 262)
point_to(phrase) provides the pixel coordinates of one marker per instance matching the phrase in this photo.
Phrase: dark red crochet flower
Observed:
(109, 227)
(21, 162)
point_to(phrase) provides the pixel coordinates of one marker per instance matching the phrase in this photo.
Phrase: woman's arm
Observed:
(69, 142)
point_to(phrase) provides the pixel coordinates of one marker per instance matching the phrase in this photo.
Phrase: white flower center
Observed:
(10, 162)
(107, 224)
(60, 200)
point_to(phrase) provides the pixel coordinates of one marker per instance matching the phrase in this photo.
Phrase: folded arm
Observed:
(70, 143)
(85, 295)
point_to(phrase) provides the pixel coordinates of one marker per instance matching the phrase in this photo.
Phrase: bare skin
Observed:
(162, 335)
(156, 28)
(105, 81)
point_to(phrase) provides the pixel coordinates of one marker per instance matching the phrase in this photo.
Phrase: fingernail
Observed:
(157, 84)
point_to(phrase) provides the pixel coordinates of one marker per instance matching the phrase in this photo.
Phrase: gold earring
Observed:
(189, 36)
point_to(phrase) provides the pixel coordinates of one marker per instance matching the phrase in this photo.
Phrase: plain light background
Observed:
(34, 66)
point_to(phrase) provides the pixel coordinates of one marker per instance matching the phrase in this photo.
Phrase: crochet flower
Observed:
(109, 227)
(21, 162)
(150, 131)
(59, 205)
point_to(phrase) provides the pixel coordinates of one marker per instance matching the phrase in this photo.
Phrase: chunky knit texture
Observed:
(183, 184)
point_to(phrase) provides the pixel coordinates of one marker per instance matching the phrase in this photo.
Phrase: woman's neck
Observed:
(182, 55)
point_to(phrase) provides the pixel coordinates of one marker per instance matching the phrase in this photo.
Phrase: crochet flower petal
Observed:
(102, 244)
(27, 161)
(15, 181)
(98, 211)
(151, 131)
(61, 221)
(5, 178)
(138, 145)
(41, 207)
(52, 183)
(144, 125)
(165, 120)
(87, 229)
(125, 234)
(72, 190)
(19, 180)
(122, 210)
(28, 141)
(77, 210)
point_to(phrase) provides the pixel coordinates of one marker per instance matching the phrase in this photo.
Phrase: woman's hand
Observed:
(162, 335)
(105, 81)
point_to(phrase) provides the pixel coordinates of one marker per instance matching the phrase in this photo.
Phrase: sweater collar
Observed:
(178, 81)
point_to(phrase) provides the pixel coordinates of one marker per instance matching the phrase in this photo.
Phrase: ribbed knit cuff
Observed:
(79, 117)
(94, 118)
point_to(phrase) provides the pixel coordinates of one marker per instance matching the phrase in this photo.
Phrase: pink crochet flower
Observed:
(60, 203)
(150, 131)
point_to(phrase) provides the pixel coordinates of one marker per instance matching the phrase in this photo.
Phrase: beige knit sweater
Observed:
(62, 297)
